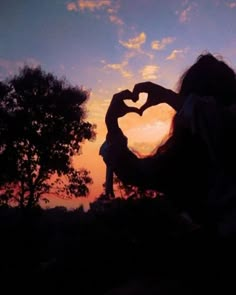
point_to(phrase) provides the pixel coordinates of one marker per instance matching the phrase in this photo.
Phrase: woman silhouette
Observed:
(195, 167)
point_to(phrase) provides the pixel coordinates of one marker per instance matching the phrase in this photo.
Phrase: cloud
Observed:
(159, 45)
(175, 54)
(72, 6)
(116, 20)
(93, 4)
(144, 139)
(231, 4)
(144, 149)
(134, 43)
(121, 68)
(96, 5)
(113, 9)
(185, 14)
(133, 52)
(112, 14)
(149, 72)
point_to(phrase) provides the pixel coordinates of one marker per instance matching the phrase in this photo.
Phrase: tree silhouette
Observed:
(136, 192)
(42, 127)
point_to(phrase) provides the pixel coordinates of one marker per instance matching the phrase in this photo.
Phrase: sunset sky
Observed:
(109, 45)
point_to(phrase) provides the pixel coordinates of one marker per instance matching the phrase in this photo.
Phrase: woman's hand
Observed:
(119, 109)
(156, 95)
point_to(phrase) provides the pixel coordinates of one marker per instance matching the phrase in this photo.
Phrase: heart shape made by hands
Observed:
(145, 133)
(139, 103)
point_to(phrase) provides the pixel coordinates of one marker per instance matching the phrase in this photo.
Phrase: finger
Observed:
(141, 87)
(128, 95)
(136, 90)
(135, 98)
(125, 94)
(145, 106)
(133, 110)
(140, 112)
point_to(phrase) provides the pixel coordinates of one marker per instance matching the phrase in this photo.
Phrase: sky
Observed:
(106, 46)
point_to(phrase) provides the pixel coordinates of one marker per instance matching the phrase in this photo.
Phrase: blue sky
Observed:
(94, 41)
(109, 45)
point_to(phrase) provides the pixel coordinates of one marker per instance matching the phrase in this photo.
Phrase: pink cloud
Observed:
(175, 54)
(136, 42)
(149, 72)
(72, 6)
(96, 5)
(116, 20)
(185, 14)
(159, 45)
(231, 4)
(92, 4)
(121, 68)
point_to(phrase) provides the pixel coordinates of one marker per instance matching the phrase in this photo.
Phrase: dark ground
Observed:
(118, 247)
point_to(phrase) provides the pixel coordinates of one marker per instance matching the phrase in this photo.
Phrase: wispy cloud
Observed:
(111, 8)
(149, 72)
(114, 9)
(116, 20)
(93, 4)
(175, 54)
(134, 43)
(112, 12)
(186, 13)
(72, 6)
(231, 4)
(133, 50)
(159, 45)
(121, 68)
(90, 5)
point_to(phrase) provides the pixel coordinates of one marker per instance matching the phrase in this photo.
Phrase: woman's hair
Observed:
(210, 76)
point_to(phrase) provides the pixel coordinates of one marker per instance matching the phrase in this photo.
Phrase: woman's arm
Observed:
(118, 109)
(155, 172)
(148, 172)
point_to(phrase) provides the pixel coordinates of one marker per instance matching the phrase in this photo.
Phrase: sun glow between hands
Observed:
(146, 133)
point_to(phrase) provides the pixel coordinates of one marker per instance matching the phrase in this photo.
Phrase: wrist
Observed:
(111, 123)
(116, 136)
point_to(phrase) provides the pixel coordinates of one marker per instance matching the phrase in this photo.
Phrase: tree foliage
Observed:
(42, 126)
(129, 190)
